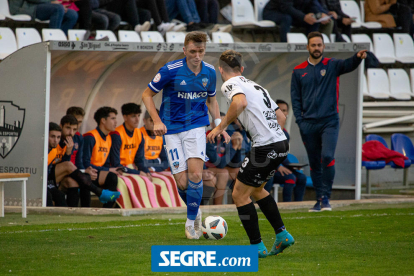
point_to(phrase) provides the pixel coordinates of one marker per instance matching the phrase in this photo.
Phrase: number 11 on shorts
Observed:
(172, 154)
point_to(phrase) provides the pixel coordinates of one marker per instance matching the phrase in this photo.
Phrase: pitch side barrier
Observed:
(39, 82)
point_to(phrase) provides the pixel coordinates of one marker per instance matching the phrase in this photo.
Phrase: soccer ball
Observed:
(214, 227)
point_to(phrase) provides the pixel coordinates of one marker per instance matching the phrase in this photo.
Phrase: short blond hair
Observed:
(196, 37)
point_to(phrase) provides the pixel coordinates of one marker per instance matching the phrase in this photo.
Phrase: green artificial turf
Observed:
(373, 240)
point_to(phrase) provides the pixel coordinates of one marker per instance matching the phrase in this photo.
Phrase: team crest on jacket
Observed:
(176, 164)
(323, 72)
(205, 81)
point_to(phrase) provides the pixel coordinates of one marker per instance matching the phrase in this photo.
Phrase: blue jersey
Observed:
(184, 95)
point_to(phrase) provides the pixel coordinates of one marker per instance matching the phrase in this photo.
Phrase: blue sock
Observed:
(183, 195)
(194, 195)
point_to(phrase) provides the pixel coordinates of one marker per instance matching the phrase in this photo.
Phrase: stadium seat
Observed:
(27, 36)
(378, 85)
(371, 165)
(219, 37)
(128, 36)
(243, 15)
(102, 33)
(76, 35)
(326, 39)
(403, 144)
(412, 79)
(351, 8)
(258, 9)
(152, 37)
(344, 36)
(8, 43)
(53, 34)
(399, 84)
(4, 10)
(404, 48)
(296, 38)
(371, 24)
(175, 37)
(374, 137)
(384, 48)
(363, 38)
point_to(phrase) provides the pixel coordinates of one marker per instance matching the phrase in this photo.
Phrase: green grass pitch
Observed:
(374, 240)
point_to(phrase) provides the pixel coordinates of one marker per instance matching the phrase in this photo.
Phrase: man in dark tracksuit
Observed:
(315, 95)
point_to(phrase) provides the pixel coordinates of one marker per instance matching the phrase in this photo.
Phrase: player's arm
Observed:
(159, 127)
(79, 154)
(139, 159)
(164, 161)
(155, 86)
(114, 157)
(281, 118)
(213, 108)
(296, 97)
(350, 64)
(237, 106)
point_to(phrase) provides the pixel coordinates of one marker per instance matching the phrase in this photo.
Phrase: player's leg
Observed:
(209, 182)
(53, 194)
(248, 215)
(107, 181)
(194, 147)
(222, 176)
(177, 161)
(329, 141)
(265, 201)
(312, 140)
(72, 191)
(300, 187)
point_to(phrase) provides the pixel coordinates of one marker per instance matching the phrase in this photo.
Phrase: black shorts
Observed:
(261, 163)
(51, 177)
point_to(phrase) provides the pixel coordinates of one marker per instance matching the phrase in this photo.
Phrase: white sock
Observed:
(189, 222)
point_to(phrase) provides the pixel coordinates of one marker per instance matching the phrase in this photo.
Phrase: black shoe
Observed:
(193, 27)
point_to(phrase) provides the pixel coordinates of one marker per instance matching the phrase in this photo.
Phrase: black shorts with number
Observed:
(51, 177)
(261, 163)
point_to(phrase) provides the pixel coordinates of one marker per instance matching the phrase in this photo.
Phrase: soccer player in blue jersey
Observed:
(315, 96)
(189, 91)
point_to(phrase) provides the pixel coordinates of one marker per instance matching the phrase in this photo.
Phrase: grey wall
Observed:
(23, 81)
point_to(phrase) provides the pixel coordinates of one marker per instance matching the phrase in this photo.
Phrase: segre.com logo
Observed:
(204, 258)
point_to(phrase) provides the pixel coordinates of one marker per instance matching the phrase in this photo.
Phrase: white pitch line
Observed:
(178, 223)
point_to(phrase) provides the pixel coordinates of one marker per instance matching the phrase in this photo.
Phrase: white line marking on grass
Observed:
(344, 216)
(91, 228)
(179, 223)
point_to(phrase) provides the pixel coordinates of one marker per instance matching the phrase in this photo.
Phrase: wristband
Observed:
(217, 122)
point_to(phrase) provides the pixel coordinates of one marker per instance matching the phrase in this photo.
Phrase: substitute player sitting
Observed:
(96, 148)
(189, 90)
(155, 157)
(58, 170)
(263, 120)
(127, 143)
